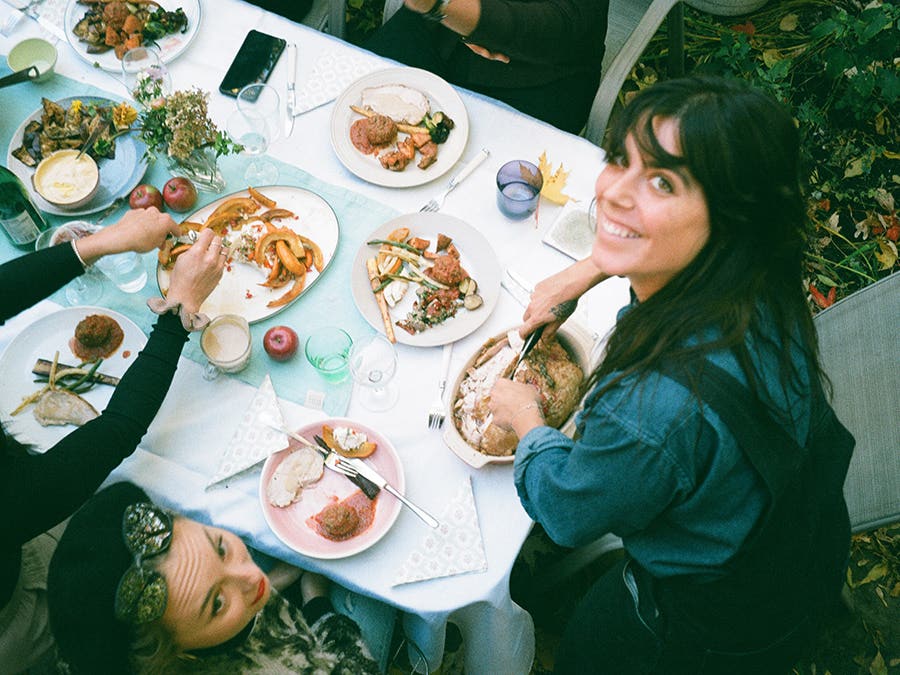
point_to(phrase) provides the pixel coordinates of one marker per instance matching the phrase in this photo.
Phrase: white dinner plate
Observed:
(476, 257)
(169, 47)
(442, 97)
(239, 291)
(289, 523)
(118, 176)
(41, 340)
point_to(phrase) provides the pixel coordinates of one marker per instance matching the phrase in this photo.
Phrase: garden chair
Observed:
(857, 343)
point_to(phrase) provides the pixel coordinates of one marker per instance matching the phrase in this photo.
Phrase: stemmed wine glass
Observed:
(87, 288)
(254, 125)
(373, 364)
(144, 75)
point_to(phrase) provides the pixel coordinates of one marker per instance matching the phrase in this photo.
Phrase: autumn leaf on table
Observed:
(554, 181)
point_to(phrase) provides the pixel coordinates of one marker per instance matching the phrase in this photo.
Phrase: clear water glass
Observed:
(87, 288)
(255, 125)
(373, 364)
(144, 75)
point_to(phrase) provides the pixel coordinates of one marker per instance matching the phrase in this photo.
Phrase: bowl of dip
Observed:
(66, 180)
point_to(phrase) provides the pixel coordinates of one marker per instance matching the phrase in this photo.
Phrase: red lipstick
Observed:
(261, 591)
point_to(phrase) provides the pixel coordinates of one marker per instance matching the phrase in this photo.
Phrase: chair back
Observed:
(630, 26)
(858, 351)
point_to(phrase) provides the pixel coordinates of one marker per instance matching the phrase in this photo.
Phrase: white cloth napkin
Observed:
(253, 441)
(455, 547)
(331, 73)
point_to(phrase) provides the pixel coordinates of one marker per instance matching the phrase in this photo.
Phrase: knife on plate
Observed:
(291, 88)
(332, 458)
(365, 470)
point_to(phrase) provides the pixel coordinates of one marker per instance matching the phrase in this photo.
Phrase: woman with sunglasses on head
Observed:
(135, 589)
(39, 491)
(706, 442)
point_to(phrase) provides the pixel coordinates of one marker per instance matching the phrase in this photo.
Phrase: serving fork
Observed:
(436, 413)
(436, 203)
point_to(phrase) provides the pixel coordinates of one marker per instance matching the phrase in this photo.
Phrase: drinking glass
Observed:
(145, 76)
(87, 288)
(255, 125)
(227, 344)
(373, 364)
(327, 350)
(519, 186)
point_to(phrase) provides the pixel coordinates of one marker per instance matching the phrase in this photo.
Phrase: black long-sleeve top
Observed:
(37, 491)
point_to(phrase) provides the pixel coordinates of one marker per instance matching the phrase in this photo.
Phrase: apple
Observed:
(179, 194)
(145, 196)
(281, 342)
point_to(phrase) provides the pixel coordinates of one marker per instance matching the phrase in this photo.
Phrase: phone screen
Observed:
(253, 63)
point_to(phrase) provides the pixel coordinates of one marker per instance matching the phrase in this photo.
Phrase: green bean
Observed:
(398, 244)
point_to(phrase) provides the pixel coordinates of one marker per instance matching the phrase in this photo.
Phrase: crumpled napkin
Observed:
(332, 72)
(253, 441)
(455, 547)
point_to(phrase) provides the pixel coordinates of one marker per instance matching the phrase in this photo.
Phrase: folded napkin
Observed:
(331, 74)
(455, 547)
(253, 441)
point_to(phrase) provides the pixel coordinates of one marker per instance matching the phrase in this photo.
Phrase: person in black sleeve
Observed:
(39, 491)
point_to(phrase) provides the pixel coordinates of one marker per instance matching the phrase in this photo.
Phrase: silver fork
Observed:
(436, 203)
(436, 414)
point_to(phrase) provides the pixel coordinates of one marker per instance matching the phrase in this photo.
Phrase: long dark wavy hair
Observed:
(742, 148)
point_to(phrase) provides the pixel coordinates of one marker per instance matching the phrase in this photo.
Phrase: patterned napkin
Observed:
(253, 441)
(330, 75)
(455, 547)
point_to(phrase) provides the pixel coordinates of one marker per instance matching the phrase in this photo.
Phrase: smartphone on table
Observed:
(253, 63)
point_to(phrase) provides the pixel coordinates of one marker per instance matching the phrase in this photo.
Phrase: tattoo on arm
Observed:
(564, 309)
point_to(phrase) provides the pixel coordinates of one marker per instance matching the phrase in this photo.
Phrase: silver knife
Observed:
(31, 11)
(371, 474)
(291, 88)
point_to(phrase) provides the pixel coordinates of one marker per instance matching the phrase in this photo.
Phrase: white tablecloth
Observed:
(199, 417)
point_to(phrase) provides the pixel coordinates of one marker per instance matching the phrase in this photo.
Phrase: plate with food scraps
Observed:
(119, 174)
(297, 524)
(407, 93)
(92, 47)
(41, 340)
(306, 224)
(476, 257)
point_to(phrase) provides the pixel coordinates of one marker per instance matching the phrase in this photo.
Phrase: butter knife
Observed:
(369, 488)
(367, 471)
(291, 88)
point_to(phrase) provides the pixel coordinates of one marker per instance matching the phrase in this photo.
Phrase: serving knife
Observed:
(365, 470)
(291, 88)
(533, 338)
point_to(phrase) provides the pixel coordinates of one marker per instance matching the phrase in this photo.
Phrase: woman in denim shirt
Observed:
(705, 442)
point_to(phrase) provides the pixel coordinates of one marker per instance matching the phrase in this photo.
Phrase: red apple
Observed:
(179, 194)
(145, 196)
(281, 342)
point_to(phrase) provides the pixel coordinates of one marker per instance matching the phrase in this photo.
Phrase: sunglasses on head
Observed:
(142, 592)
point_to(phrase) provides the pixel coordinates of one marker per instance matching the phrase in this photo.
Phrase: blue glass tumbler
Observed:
(519, 186)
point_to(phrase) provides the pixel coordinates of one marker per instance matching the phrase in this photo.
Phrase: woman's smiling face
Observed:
(215, 588)
(651, 221)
